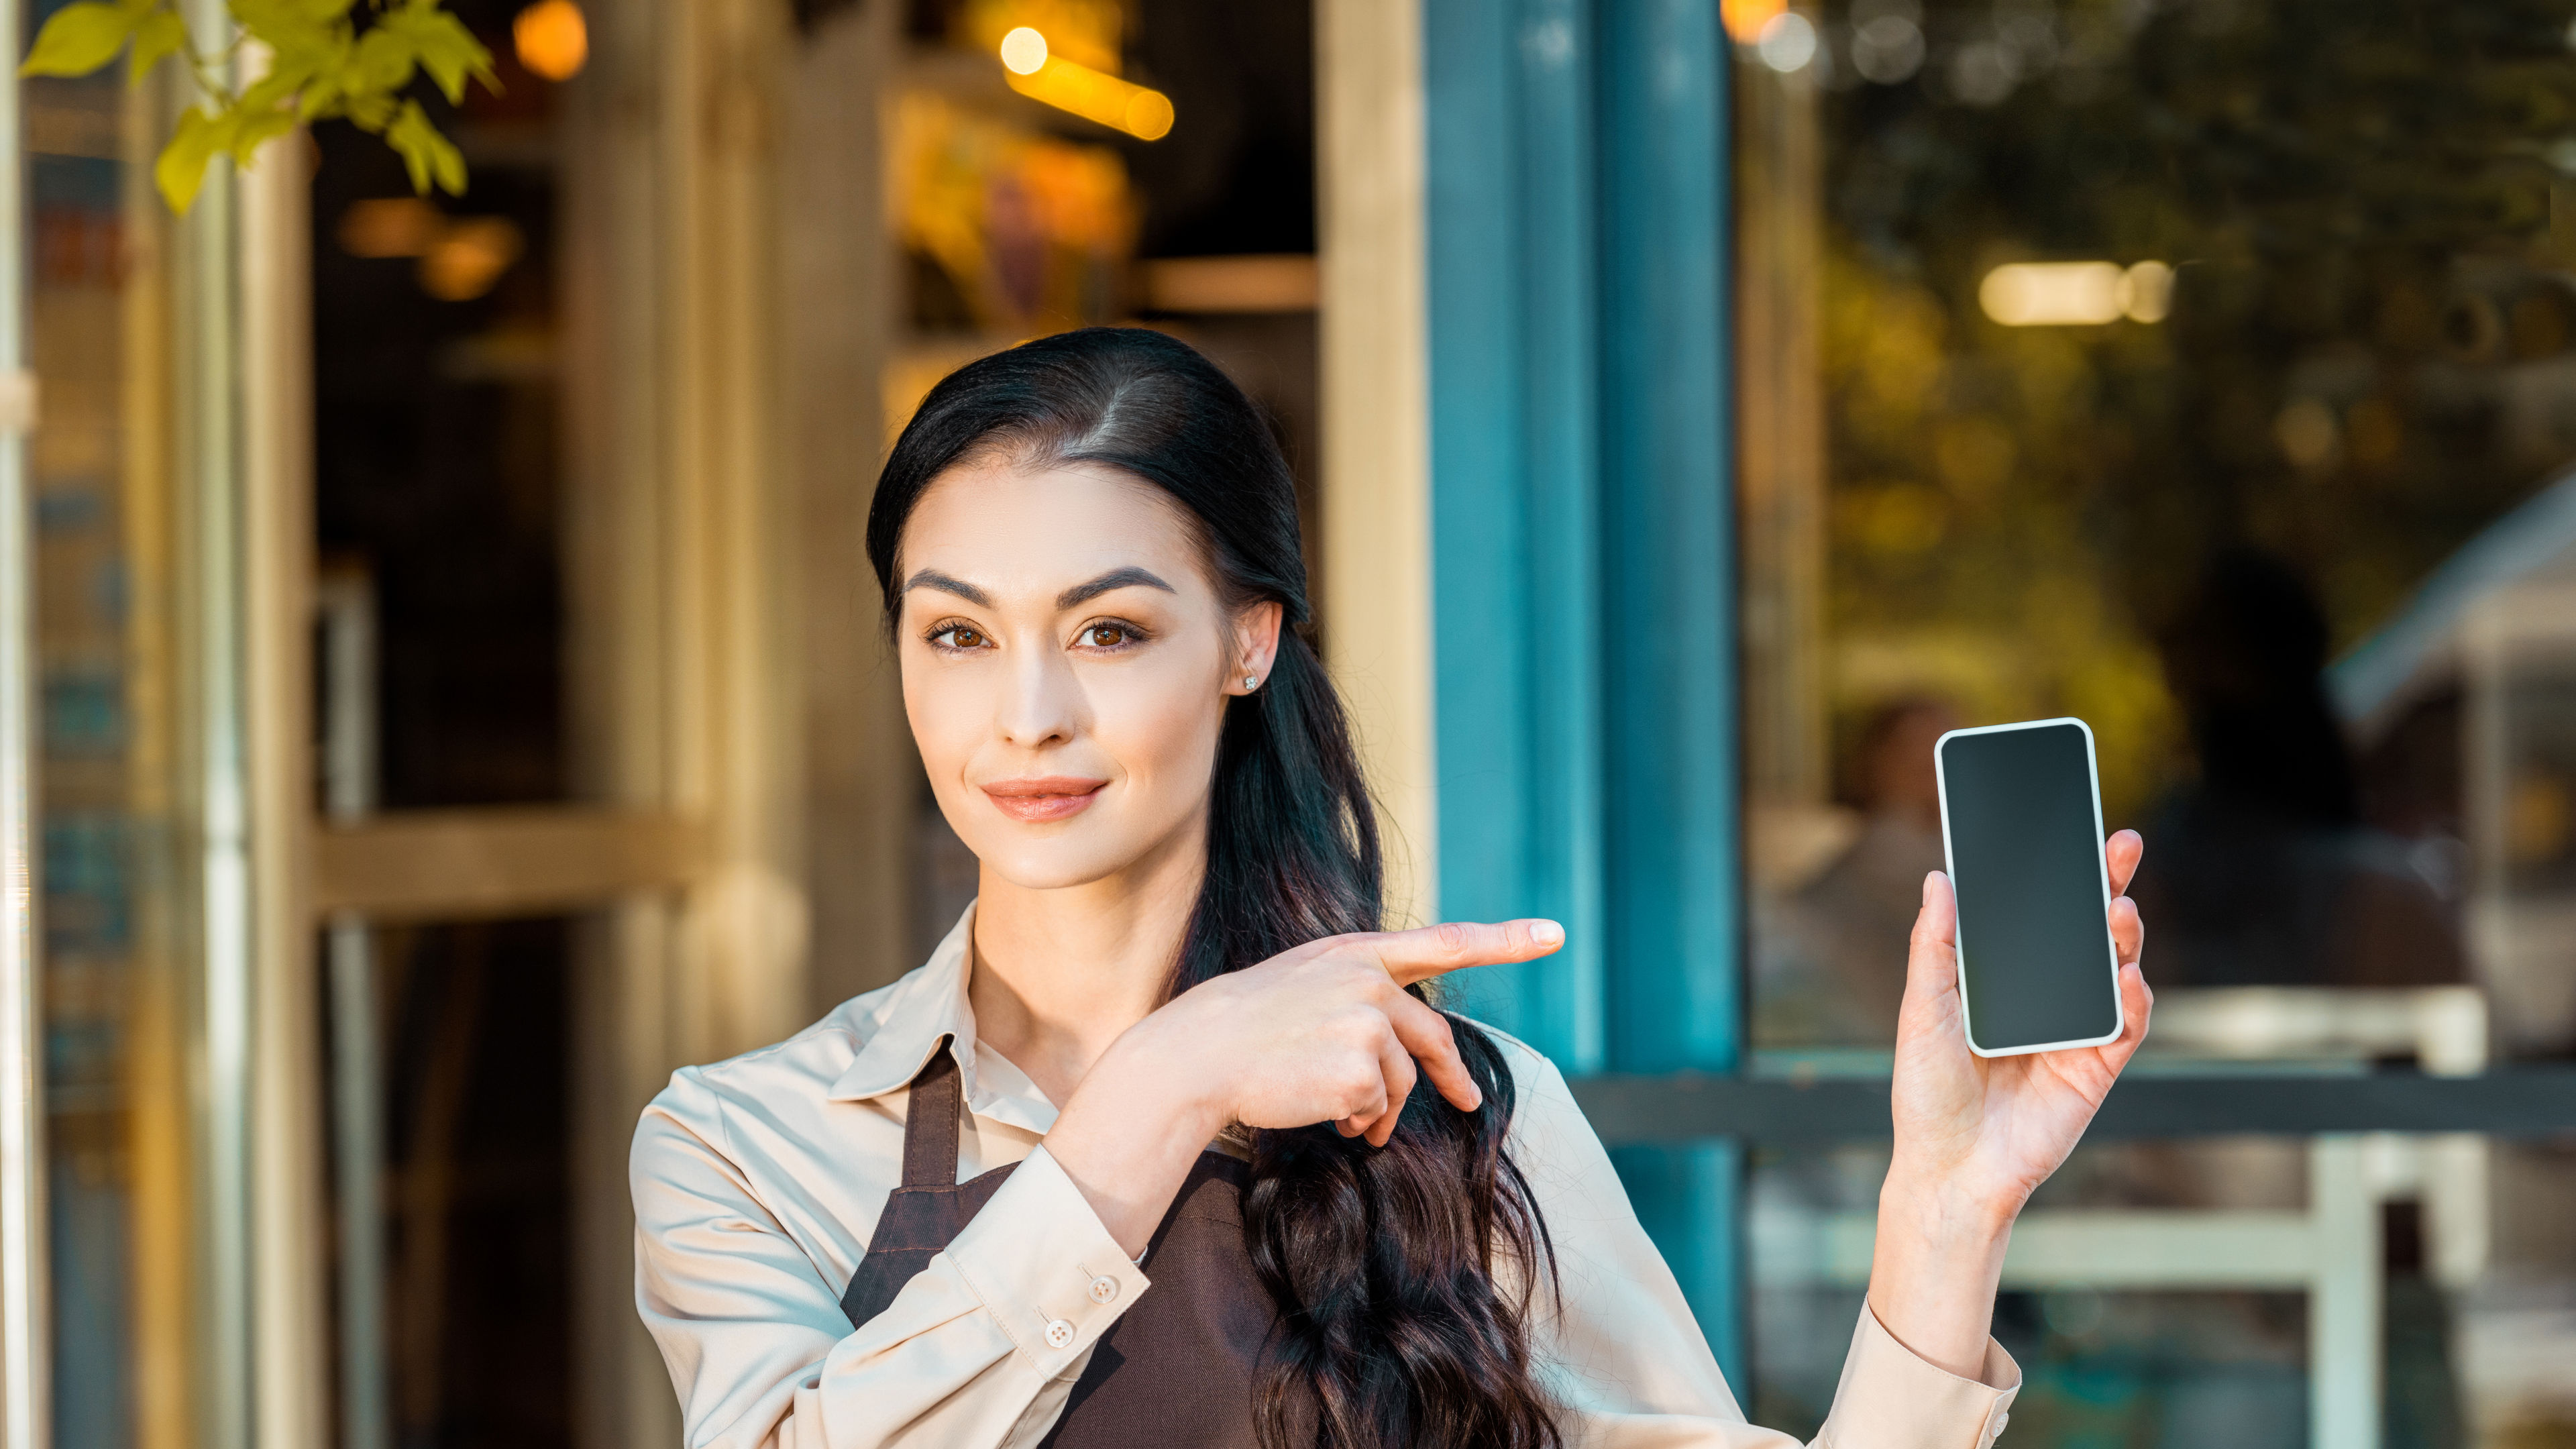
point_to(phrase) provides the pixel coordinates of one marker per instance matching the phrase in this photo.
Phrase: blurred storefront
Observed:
(452, 693)
(455, 695)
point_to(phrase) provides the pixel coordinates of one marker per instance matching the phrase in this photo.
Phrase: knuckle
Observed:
(1454, 937)
(1357, 1021)
(1438, 1037)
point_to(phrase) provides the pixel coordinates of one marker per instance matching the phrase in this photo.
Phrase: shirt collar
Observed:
(924, 1007)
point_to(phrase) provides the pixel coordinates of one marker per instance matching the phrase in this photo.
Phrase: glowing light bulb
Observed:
(1024, 51)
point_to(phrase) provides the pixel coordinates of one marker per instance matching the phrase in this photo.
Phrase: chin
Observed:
(1050, 865)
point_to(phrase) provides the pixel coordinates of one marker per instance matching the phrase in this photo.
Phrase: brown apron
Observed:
(1178, 1367)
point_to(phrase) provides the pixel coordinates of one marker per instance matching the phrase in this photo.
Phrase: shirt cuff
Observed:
(1046, 1269)
(1890, 1399)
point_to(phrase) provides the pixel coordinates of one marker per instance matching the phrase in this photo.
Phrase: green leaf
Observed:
(79, 39)
(161, 35)
(269, 92)
(427, 154)
(319, 95)
(385, 60)
(368, 110)
(315, 12)
(255, 129)
(182, 167)
(447, 50)
(311, 50)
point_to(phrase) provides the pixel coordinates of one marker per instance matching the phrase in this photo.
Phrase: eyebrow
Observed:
(1114, 579)
(948, 584)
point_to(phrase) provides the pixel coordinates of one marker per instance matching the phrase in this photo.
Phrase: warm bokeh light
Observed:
(2075, 294)
(1024, 50)
(460, 257)
(1745, 19)
(552, 39)
(1148, 115)
(470, 257)
(2149, 294)
(390, 226)
(1097, 96)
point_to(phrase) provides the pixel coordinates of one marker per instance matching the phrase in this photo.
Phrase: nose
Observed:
(1042, 703)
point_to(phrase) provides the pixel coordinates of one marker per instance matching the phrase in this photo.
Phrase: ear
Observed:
(1256, 646)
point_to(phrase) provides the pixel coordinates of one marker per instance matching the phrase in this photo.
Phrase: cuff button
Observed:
(1104, 1289)
(1059, 1333)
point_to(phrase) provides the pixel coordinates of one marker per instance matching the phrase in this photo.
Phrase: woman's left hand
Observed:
(1974, 1135)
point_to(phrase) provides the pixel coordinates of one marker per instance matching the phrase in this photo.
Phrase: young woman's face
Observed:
(1066, 666)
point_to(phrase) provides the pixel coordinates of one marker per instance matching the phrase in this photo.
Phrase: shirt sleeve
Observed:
(1627, 1360)
(977, 1352)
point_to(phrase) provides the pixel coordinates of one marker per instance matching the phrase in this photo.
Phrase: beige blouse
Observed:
(758, 1181)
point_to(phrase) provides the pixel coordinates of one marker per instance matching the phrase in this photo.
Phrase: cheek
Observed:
(1161, 726)
(941, 712)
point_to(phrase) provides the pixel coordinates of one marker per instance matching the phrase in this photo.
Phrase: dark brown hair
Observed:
(1393, 1329)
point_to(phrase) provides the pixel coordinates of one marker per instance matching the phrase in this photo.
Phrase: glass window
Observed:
(2206, 369)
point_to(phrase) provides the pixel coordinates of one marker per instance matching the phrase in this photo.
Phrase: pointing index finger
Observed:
(1418, 955)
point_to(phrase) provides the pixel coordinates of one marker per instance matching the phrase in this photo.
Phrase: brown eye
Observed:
(1105, 636)
(966, 638)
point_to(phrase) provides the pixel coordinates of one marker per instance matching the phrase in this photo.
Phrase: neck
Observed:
(1059, 974)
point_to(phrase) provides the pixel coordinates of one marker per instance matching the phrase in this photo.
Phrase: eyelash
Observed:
(1134, 635)
(940, 637)
(944, 636)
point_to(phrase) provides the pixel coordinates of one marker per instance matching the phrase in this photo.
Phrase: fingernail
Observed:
(1475, 1102)
(1547, 933)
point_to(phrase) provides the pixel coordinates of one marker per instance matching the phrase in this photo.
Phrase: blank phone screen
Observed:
(2023, 825)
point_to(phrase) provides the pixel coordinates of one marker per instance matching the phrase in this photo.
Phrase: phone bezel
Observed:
(2110, 947)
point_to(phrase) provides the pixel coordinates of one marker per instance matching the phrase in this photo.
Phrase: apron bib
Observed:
(1178, 1367)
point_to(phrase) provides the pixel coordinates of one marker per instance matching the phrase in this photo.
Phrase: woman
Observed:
(1164, 1146)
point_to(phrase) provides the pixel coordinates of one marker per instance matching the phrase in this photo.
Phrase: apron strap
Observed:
(930, 1121)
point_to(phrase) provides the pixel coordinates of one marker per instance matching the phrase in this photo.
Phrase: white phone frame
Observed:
(2102, 867)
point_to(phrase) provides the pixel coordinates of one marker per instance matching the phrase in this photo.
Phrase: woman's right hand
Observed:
(1327, 1032)
(1322, 1033)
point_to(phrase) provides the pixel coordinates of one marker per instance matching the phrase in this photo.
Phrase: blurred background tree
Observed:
(2369, 216)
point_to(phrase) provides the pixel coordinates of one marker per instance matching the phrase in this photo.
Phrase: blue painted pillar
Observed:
(1583, 553)
(1514, 500)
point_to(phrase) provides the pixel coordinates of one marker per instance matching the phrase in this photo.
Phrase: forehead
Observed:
(1010, 528)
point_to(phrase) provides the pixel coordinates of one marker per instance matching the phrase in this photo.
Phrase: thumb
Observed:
(1932, 955)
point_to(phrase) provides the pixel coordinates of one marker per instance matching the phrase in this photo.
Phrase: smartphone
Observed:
(2021, 824)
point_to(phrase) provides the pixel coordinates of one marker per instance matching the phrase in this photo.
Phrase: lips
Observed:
(1052, 797)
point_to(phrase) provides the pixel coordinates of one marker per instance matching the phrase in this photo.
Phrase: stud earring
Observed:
(1250, 683)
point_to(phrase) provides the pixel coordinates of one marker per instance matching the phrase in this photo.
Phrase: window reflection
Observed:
(2207, 369)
